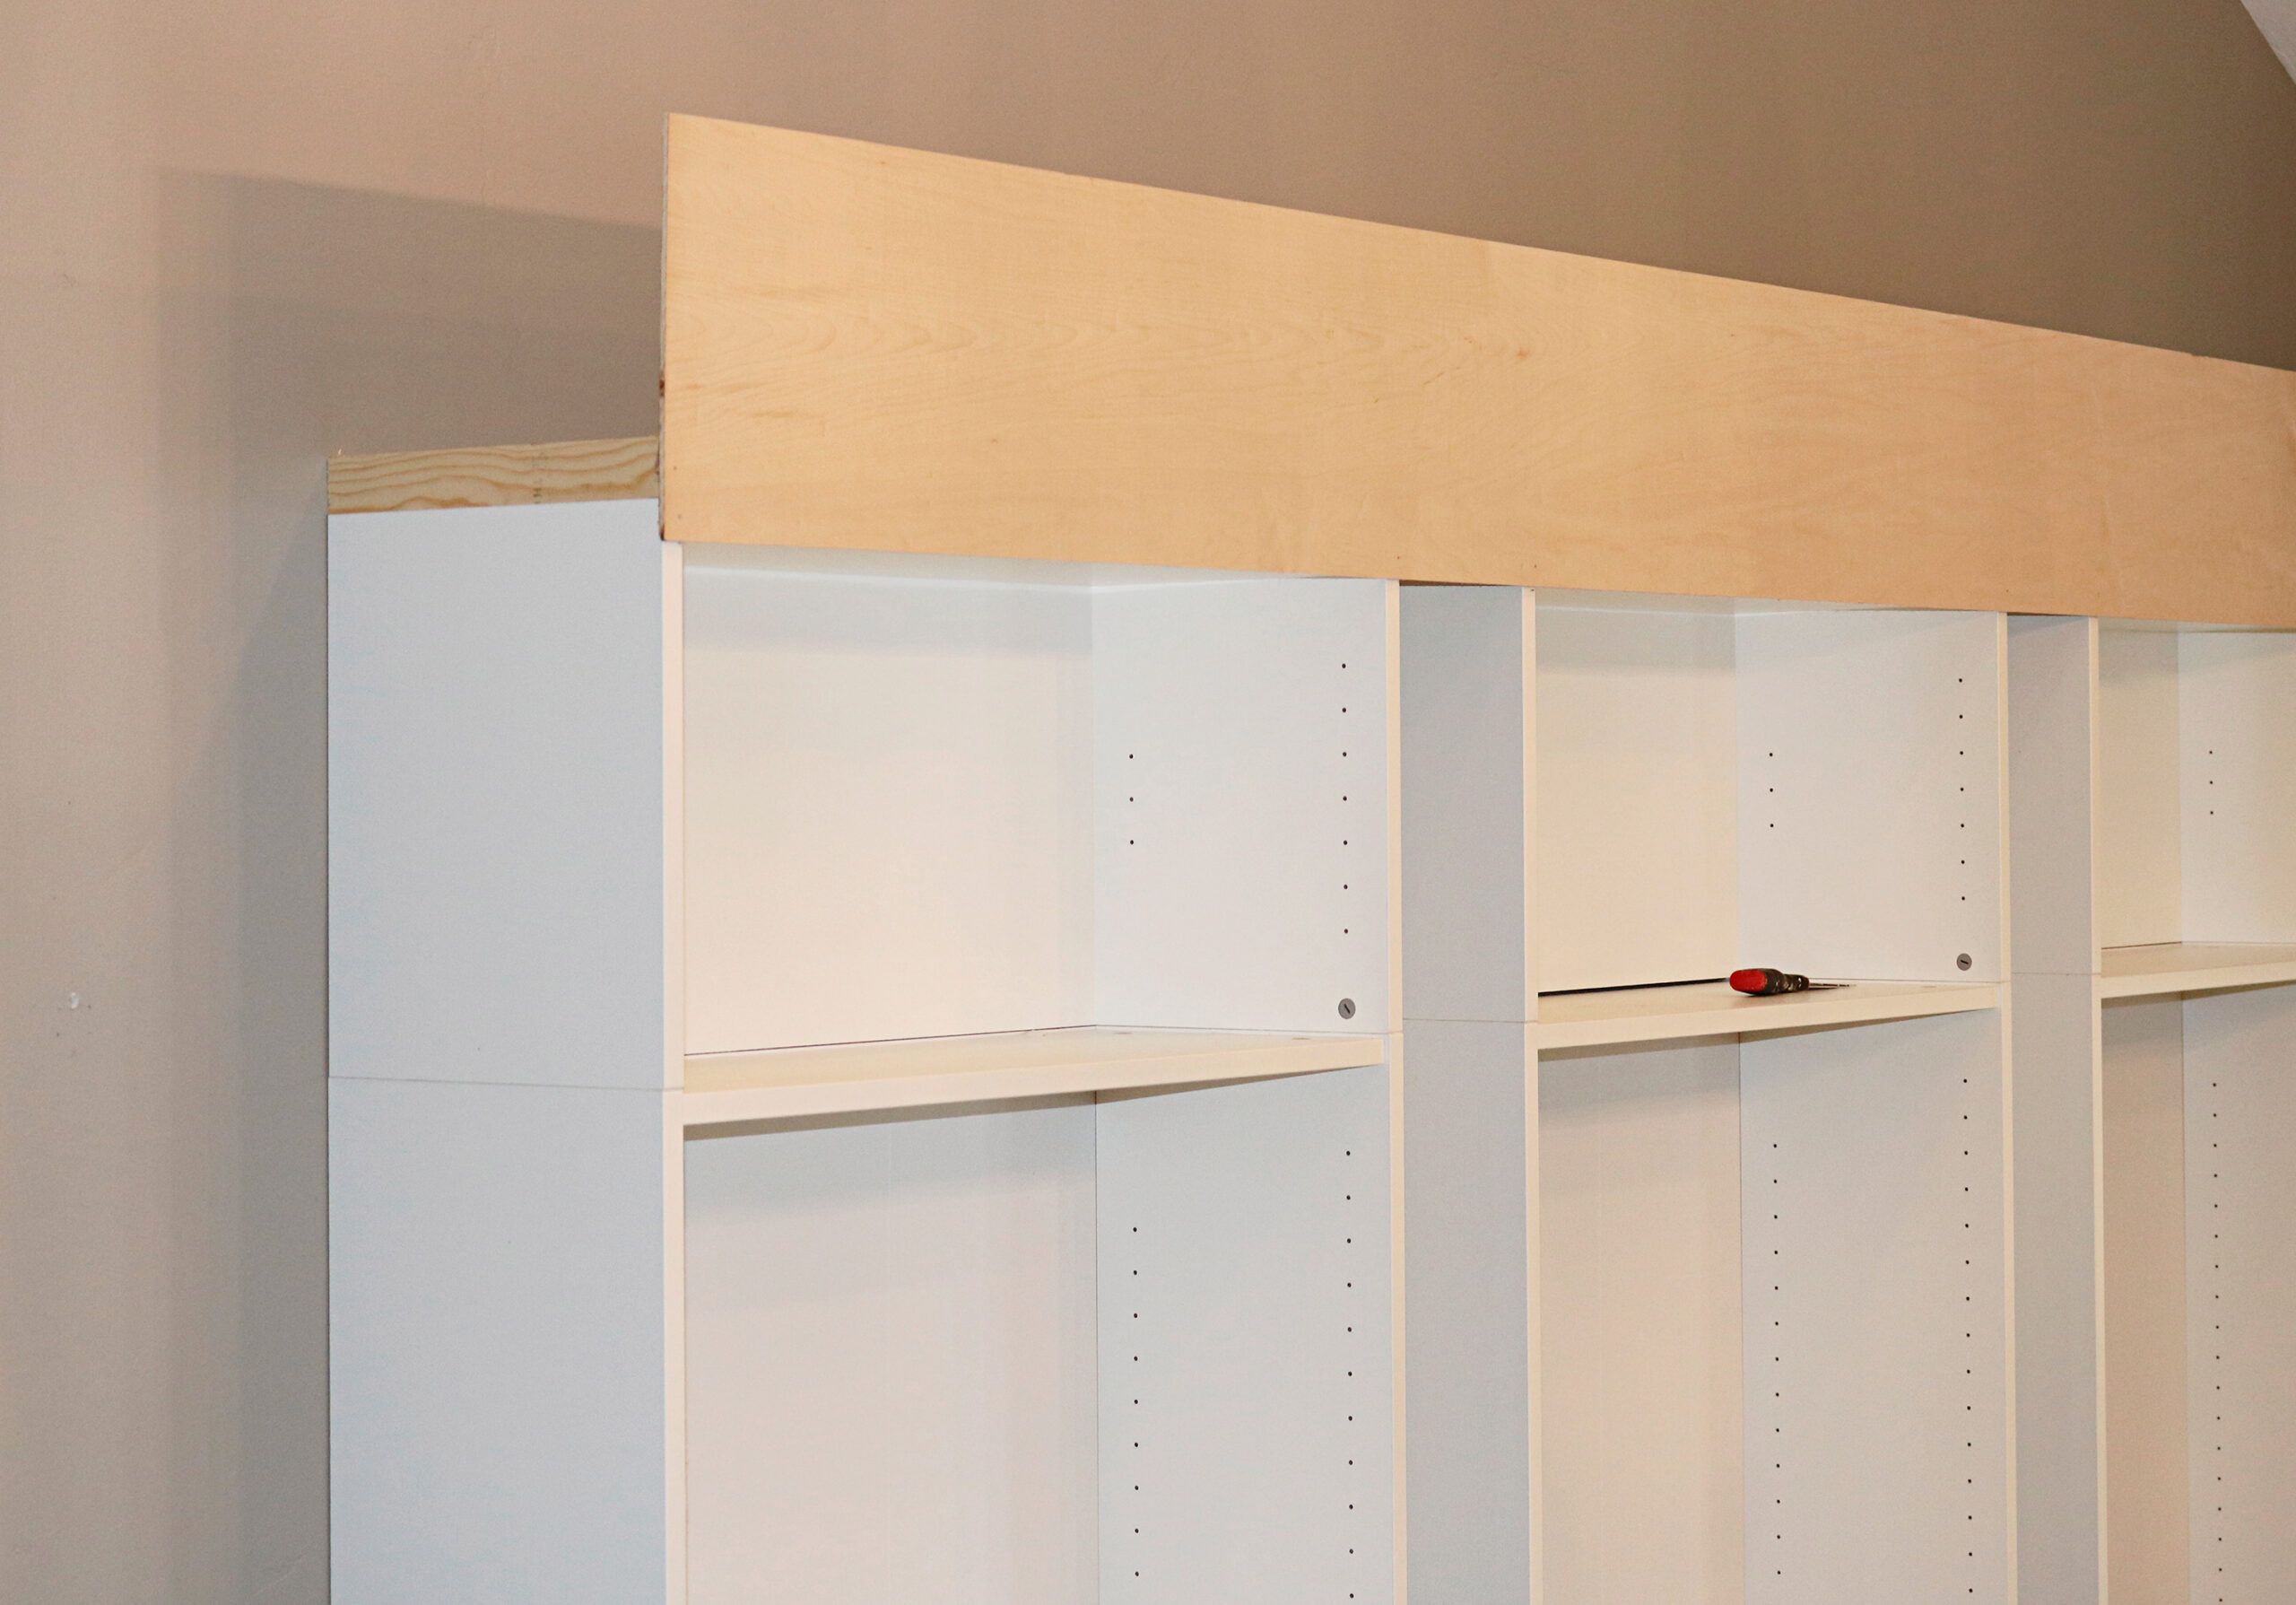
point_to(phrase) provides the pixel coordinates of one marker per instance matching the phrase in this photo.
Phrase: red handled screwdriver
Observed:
(1770, 984)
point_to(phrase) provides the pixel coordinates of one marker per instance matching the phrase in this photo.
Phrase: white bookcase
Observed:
(858, 1080)
(868, 1079)
(2156, 1043)
(1709, 1296)
(861, 1076)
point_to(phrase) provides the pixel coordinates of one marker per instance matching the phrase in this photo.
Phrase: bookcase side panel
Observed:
(1466, 782)
(1472, 1276)
(506, 1371)
(501, 733)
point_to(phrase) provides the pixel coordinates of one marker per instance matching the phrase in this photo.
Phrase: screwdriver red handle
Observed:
(1767, 983)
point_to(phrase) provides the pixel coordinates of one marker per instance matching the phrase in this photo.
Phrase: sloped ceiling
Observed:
(2277, 18)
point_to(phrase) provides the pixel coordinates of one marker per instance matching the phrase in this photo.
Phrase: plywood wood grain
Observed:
(868, 347)
(612, 470)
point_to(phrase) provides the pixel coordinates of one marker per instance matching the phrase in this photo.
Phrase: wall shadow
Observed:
(293, 321)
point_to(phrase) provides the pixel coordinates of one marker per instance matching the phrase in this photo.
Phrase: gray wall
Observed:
(234, 238)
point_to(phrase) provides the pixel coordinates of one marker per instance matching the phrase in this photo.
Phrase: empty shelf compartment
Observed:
(2194, 778)
(1723, 785)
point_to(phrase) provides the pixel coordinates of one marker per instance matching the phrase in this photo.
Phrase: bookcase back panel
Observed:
(2241, 1257)
(1877, 1434)
(2148, 1511)
(1637, 807)
(1642, 1336)
(2139, 793)
(501, 707)
(887, 808)
(891, 1360)
(1247, 1363)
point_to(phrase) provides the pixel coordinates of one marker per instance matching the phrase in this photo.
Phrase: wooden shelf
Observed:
(725, 1088)
(1710, 1008)
(2170, 967)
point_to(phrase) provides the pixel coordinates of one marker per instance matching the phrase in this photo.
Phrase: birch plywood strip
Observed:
(873, 348)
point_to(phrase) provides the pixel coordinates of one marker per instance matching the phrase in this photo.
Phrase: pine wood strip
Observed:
(614, 470)
(873, 348)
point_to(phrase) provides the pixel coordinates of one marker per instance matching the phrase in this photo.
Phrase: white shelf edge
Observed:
(2178, 967)
(870, 1078)
(1708, 1009)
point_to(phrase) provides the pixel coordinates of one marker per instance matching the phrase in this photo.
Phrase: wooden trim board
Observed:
(615, 470)
(871, 348)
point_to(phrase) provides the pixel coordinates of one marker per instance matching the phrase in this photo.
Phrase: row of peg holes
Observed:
(1777, 1347)
(1971, 1273)
(1962, 826)
(1967, 1424)
(1353, 1366)
(1346, 1009)
(1134, 1276)
(1348, 1302)
(2214, 1518)
(1347, 840)
(1971, 1343)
